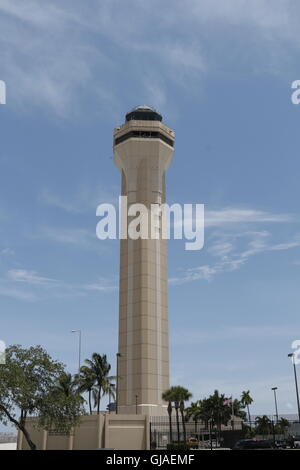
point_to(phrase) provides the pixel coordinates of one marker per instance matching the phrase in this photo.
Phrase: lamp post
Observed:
(111, 386)
(79, 347)
(232, 412)
(275, 398)
(210, 432)
(118, 355)
(296, 383)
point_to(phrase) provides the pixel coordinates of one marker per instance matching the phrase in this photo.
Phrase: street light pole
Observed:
(276, 409)
(111, 386)
(232, 413)
(79, 348)
(296, 383)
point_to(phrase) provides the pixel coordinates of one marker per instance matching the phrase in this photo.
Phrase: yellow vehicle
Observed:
(193, 442)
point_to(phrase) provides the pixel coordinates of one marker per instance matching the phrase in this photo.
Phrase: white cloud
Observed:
(220, 248)
(68, 236)
(43, 16)
(103, 285)
(52, 199)
(7, 251)
(233, 332)
(30, 277)
(231, 251)
(231, 218)
(195, 274)
(285, 246)
(231, 215)
(55, 50)
(47, 62)
(38, 287)
(17, 294)
(260, 13)
(85, 199)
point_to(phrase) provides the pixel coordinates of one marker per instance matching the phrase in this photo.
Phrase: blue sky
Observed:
(221, 74)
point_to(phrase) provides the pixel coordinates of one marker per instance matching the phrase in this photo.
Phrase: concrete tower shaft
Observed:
(143, 149)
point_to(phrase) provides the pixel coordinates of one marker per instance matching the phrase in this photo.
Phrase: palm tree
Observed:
(167, 396)
(263, 425)
(282, 425)
(237, 407)
(86, 381)
(185, 395)
(99, 368)
(215, 410)
(176, 406)
(194, 412)
(171, 396)
(178, 395)
(246, 400)
(66, 384)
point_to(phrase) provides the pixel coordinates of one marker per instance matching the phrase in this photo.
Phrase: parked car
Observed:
(193, 442)
(297, 443)
(255, 444)
(293, 442)
(281, 443)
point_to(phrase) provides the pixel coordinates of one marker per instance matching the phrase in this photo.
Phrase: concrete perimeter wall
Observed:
(107, 431)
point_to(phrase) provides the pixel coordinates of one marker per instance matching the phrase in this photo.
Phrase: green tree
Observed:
(263, 425)
(194, 411)
(246, 400)
(282, 425)
(171, 397)
(85, 382)
(106, 389)
(238, 409)
(99, 368)
(249, 432)
(178, 395)
(185, 395)
(66, 385)
(215, 410)
(167, 396)
(29, 387)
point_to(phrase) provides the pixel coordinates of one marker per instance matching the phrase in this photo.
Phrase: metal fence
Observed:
(206, 435)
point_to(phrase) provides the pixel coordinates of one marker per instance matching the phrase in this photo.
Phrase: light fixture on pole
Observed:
(292, 356)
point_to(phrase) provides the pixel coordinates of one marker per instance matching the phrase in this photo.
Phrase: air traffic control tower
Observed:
(143, 150)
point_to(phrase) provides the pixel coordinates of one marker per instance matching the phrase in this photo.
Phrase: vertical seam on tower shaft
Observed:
(129, 323)
(158, 303)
